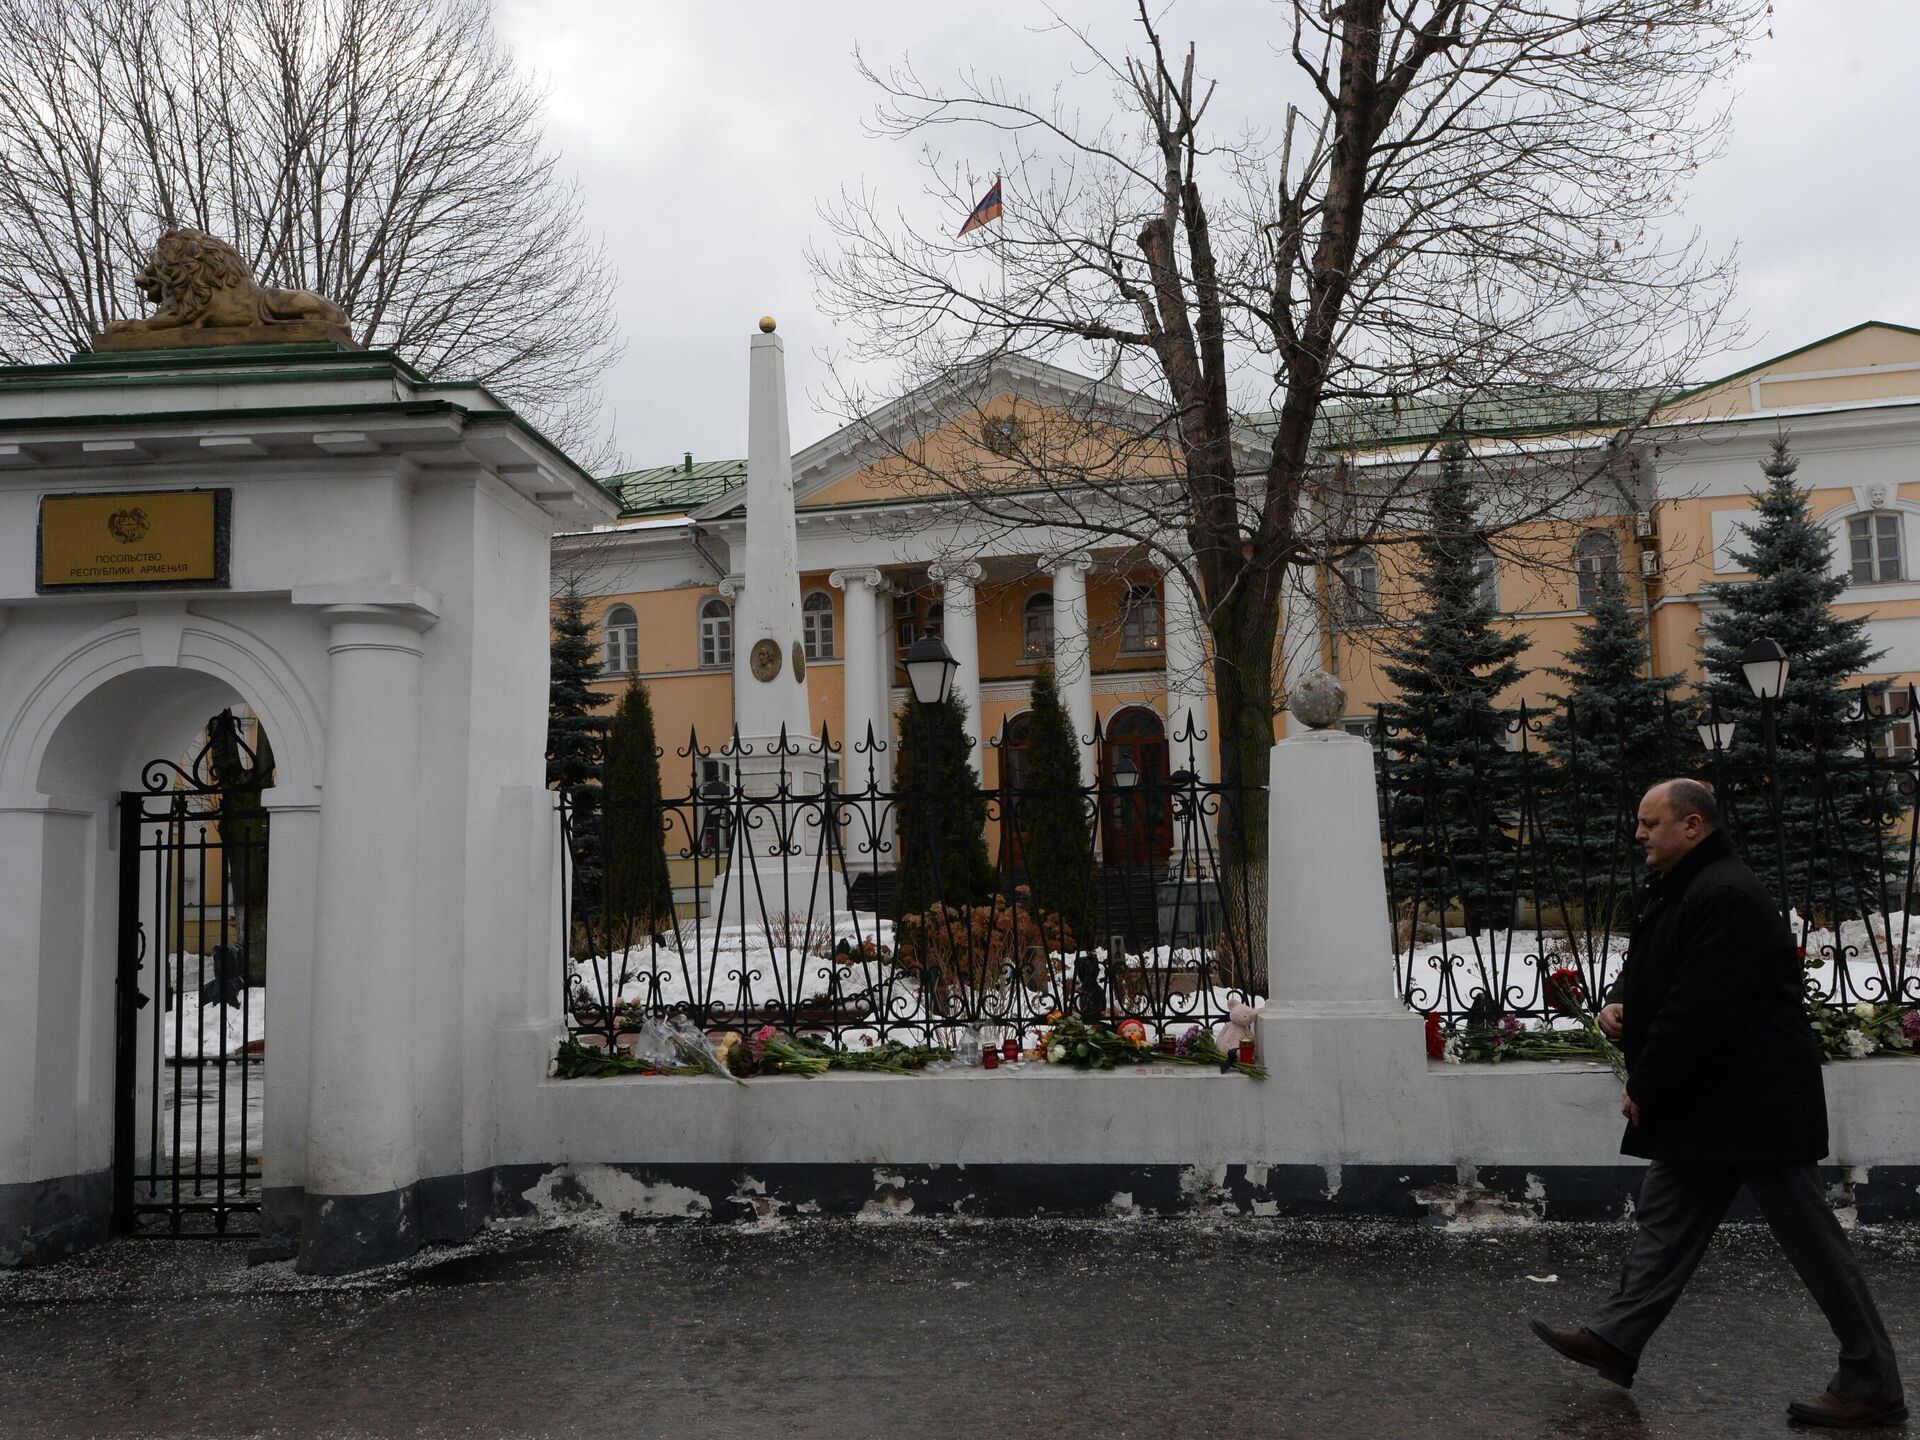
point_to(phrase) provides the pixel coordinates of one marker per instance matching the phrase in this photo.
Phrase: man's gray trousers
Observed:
(1680, 1208)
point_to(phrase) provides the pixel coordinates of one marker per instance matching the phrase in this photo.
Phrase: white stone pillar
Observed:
(291, 922)
(1333, 1031)
(867, 630)
(1072, 658)
(362, 1152)
(960, 627)
(1187, 676)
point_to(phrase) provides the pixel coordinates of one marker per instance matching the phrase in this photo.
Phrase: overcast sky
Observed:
(705, 137)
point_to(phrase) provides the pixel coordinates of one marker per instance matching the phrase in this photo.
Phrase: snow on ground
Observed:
(191, 1104)
(732, 968)
(193, 1029)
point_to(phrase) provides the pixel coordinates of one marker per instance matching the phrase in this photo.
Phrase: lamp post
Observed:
(1765, 665)
(930, 668)
(1126, 776)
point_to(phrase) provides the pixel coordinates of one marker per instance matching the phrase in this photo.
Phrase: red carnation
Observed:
(1436, 1042)
(1565, 992)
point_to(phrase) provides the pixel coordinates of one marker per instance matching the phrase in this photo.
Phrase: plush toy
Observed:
(1239, 1026)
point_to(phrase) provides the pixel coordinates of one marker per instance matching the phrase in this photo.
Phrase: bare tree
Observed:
(1467, 201)
(385, 153)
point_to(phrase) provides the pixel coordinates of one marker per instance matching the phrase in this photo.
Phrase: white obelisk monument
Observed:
(776, 868)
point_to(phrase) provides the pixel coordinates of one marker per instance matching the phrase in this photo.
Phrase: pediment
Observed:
(1872, 362)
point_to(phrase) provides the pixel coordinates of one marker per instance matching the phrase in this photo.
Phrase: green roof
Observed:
(1370, 424)
(672, 489)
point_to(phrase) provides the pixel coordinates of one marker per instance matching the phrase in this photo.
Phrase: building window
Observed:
(1895, 704)
(716, 632)
(1873, 542)
(1036, 626)
(914, 614)
(1141, 630)
(1595, 557)
(1486, 567)
(1366, 727)
(816, 625)
(619, 641)
(1359, 597)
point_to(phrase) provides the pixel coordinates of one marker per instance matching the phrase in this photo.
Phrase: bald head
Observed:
(1675, 816)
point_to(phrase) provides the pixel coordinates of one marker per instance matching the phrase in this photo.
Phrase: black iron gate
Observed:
(190, 1055)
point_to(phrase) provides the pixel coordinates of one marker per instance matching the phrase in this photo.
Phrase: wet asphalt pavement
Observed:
(921, 1330)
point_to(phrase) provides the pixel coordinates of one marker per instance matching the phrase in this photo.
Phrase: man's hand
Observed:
(1630, 1108)
(1612, 1020)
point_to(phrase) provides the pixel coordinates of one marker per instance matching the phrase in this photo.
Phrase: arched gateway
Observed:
(356, 559)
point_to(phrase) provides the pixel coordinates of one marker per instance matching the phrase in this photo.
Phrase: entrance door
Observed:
(190, 1054)
(1138, 820)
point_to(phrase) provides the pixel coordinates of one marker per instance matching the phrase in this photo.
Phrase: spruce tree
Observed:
(1056, 831)
(1611, 732)
(941, 804)
(575, 738)
(1449, 773)
(1818, 726)
(637, 897)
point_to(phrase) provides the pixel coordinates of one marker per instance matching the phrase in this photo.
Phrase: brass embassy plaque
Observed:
(146, 540)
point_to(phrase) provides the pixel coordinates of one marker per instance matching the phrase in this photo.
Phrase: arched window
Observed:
(1487, 567)
(1140, 626)
(816, 625)
(1360, 588)
(1036, 626)
(1873, 548)
(1595, 557)
(620, 641)
(716, 631)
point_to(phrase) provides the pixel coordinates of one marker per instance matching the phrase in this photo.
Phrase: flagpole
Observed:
(1002, 246)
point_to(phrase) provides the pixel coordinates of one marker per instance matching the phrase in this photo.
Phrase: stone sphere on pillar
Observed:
(1318, 700)
(766, 324)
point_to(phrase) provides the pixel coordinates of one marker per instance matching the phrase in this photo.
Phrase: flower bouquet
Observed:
(1865, 1029)
(769, 1052)
(1073, 1042)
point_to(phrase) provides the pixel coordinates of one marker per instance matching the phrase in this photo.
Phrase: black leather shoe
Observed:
(1583, 1347)
(1830, 1410)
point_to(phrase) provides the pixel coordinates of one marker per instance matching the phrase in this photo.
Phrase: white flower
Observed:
(1451, 1055)
(1056, 1053)
(1859, 1045)
(1863, 1011)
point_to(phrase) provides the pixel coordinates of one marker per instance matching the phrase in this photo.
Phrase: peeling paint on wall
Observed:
(589, 1187)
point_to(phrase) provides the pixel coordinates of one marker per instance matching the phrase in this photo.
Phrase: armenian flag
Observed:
(987, 209)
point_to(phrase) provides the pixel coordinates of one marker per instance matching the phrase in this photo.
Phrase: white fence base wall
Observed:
(1352, 1119)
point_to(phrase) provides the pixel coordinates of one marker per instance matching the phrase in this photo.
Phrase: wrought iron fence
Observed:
(799, 884)
(1519, 860)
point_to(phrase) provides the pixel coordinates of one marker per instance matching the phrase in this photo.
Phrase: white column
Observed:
(290, 941)
(362, 1153)
(1072, 659)
(866, 630)
(1330, 946)
(1332, 1030)
(1187, 676)
(960, 627)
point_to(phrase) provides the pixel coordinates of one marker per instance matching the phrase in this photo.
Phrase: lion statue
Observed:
(207, 296)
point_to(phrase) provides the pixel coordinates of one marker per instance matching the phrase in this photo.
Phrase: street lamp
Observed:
(930, 667)
(1765, 666)
(1715, 730)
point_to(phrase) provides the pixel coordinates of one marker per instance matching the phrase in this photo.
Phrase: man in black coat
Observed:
(1724, 1090)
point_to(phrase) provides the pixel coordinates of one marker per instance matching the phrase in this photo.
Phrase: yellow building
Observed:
(877, 558)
